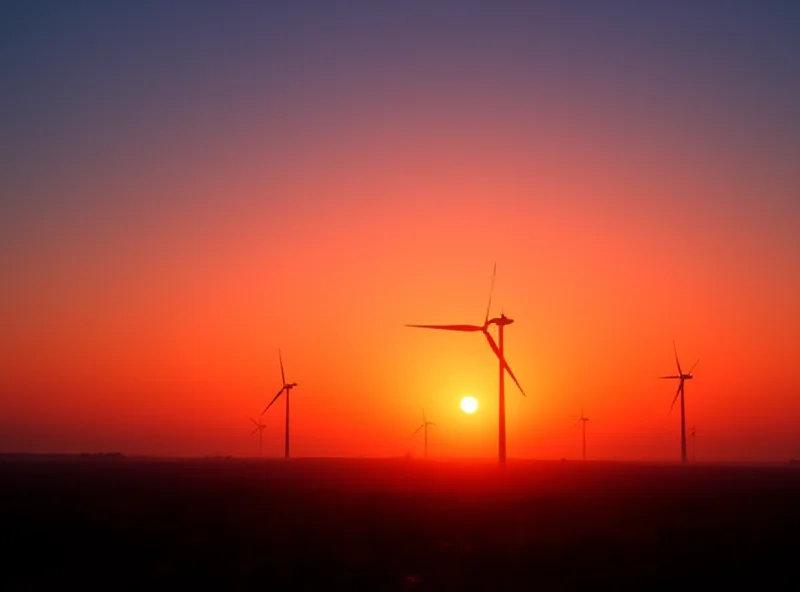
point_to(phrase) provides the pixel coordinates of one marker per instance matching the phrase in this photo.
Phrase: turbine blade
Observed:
(275, 398)
(500, 357)
(253, 433)
(424, 420)
(254, 421)
(283, 376)
(491, 290)
(418, 429)
(678, 392)
(431, 423)
(449, 327)
(693, 366)
(669, 377)
(676, 357)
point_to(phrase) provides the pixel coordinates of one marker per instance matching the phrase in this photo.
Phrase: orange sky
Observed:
(143, 308)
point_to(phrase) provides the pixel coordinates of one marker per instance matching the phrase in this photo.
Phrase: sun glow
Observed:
(469, 404)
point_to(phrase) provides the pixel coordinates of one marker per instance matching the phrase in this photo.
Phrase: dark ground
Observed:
(394, 524)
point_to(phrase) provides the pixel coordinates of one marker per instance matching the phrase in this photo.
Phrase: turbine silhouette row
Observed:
(497, 348)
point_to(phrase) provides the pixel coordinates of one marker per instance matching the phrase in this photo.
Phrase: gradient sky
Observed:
(186, 187)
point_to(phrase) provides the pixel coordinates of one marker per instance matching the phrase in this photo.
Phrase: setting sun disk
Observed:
(469, 404)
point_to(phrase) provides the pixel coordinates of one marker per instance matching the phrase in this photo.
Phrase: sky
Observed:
(188, 187)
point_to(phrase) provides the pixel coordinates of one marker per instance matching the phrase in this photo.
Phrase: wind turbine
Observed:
(497, 348)
(287, 386)
(260, 429)
(582, 420)
(694, 444)
(680, 393)
(424, 426)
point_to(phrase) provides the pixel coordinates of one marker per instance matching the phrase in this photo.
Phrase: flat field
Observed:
(313, 524)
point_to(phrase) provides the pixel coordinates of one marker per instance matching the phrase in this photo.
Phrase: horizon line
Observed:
(419, 459)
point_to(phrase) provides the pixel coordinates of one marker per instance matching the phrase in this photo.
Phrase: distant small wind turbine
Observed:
(497, 348)
(424, 426)
(582, 420)
(287, 386)
(680, 393)
(260, 429)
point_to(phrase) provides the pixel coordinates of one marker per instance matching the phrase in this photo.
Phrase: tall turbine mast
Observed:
(498, 349)
(287, 387)
(582, 420)
(682, 377)
(424, 427)
(260, 429)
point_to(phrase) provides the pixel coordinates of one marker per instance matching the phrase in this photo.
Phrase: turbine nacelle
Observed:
(500, 321)
(423, 426)
(259, 426)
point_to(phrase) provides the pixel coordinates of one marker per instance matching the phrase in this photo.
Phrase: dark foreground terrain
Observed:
(121, 523)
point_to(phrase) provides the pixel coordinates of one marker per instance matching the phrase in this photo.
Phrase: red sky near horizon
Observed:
(177, 210)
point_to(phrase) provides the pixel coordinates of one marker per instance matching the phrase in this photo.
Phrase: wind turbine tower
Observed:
(424, 427)
(501, 322)
(260, 429)
(287, 388)
(582, 420)
(683, 377)
(694, 444)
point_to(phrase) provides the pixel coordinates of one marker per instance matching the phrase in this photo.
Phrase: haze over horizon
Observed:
(187, 187)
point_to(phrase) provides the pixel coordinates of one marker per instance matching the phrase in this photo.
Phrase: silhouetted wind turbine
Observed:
(497, 348)
(424, 426)
(694, 445)
(287, 386)
(582, 420)
(680, 393)
(260, 429)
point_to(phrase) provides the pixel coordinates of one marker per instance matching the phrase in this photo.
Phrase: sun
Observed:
(469, 404)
